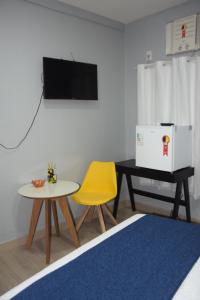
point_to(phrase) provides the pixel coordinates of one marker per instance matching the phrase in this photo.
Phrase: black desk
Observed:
(179, 177)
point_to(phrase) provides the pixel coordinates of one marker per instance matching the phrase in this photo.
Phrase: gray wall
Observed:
(69, 133)
(148, 34)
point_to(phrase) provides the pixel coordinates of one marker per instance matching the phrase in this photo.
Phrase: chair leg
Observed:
(109, 213)
(101, 219)
(90, 214)
(82, 218)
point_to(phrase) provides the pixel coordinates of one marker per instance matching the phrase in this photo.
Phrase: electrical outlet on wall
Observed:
(148, 55)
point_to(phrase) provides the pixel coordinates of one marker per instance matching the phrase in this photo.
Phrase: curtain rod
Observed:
(151, 65)
(164, 63)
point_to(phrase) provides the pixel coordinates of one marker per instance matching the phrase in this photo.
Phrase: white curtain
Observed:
(170, 92)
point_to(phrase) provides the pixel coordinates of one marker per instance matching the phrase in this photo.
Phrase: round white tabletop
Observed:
(49, 190)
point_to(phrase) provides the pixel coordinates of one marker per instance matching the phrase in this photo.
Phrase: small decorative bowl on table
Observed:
(38, 182)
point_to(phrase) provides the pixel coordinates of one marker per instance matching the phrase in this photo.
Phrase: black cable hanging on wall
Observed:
(27, 132)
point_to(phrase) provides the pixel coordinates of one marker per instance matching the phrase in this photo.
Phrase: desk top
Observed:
(49, 190)
(129, 167)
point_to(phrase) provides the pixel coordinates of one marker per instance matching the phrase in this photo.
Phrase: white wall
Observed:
(148, 34)
(69, 133)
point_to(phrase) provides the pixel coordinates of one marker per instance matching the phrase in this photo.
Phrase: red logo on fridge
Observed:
(165, 141)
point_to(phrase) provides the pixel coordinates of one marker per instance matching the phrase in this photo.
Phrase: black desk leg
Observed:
(177, 199)
(130, 190)
(187, 199)
(119, 184)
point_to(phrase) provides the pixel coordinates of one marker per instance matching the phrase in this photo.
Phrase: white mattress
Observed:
(189, 289)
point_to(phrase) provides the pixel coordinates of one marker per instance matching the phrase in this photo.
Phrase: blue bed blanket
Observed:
(147, 260)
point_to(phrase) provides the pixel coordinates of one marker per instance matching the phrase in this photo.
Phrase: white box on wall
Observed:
(183, 35)
(198, 31)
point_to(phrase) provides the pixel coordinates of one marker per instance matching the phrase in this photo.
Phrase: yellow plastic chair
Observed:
(98, 188)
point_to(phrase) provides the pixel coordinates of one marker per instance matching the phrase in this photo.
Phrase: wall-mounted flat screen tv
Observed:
(64, 79)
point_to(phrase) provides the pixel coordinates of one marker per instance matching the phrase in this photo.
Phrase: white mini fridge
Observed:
(166, 148)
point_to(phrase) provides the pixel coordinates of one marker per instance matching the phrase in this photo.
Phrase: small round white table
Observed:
(50, 193)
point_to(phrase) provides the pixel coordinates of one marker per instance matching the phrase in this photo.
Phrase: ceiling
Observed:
(124, 11)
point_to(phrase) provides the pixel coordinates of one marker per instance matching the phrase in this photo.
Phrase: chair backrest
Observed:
(100, 177)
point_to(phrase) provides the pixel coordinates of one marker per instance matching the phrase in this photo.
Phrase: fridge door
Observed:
(154, 147)
(182, 147)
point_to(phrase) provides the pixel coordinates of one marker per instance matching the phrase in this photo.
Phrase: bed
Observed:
(144, 257)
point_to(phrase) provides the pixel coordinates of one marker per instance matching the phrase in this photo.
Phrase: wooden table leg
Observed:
(130, 190)
(116, 202)
(47, 229)
(63, 202)
(187, 199)
(177, 200)
(37, 205)
(55, 215)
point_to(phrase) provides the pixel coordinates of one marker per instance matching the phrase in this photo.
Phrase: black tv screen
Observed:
(64, 79)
